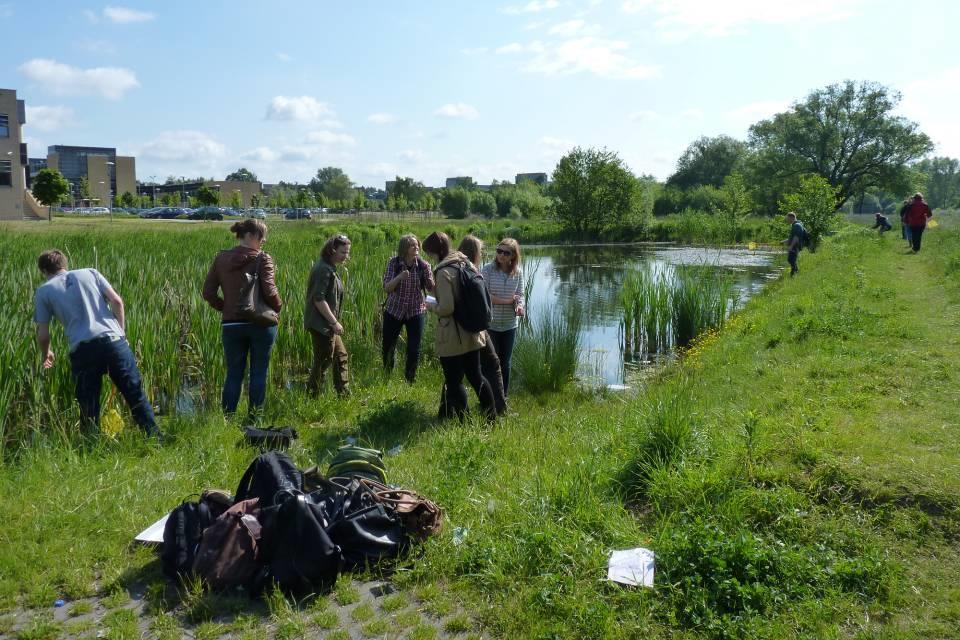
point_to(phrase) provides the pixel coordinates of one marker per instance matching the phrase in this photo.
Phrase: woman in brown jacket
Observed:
(241, 338)
(457, 348)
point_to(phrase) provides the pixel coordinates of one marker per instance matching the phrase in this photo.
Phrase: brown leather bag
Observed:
(228, 553)
(421, 517)
(251, 305)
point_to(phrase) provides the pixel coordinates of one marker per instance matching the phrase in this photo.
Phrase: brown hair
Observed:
(250, 225)
(406, 242)
(472, 247)
(52, 261)
(514, 247)
(332, 244)
(438, 243)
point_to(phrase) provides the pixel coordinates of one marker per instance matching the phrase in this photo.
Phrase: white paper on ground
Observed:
(154, 533)
(631, 566)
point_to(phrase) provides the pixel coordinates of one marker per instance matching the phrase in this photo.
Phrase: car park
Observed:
(297, 214)
(164, 213)
(259, 214)
(206, 213)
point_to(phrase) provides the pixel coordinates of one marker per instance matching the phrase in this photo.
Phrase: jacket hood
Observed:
(240, 257)
(452, 257)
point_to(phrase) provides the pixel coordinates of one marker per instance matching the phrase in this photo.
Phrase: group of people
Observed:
(92, 315)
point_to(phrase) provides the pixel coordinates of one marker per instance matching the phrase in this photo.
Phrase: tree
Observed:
(333, 183)
(593, 190)
(735, 205)
(255, 200)
(84, 188)
(483, 204)
(128, 200)
(50, 187)
(846, 134)
(455, 202)
(207, 197)
(814, 202)
(941, 178)
(242, 175)
(708, 161)
(408, 188)
(235, 201)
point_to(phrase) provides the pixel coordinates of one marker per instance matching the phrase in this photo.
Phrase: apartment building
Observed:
(13, 156)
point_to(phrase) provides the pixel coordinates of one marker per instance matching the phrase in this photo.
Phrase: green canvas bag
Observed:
(351, 460)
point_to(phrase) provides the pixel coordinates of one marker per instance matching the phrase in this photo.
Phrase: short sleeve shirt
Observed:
(76, 299)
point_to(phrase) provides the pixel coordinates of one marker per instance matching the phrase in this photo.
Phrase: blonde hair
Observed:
(514, 247)
(406, 242)
(472, 247)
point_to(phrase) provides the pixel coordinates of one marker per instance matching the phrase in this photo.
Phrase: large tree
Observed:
(207, 197)
(333, 183)
(50, 187)
(941, 178)
(707, 161)
(242, 175)
(593, 189)
(847, 134)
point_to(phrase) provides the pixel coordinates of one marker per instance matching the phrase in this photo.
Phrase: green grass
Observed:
(796, 472)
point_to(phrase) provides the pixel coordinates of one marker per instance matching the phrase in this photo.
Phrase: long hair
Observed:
(438, 243)
(514, 247)
(406, 242)
(331, 245)
(250, 225)
(472, 247)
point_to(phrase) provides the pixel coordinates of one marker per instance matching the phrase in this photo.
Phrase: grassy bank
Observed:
(797, 475)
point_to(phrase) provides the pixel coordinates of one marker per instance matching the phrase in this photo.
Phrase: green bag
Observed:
(351, 460)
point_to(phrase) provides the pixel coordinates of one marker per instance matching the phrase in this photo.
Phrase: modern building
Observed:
(538, 178)
(34, 166)
(107, 173)
(13, 156)
(459, 181)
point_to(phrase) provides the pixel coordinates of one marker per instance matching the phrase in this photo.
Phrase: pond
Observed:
(591, 277)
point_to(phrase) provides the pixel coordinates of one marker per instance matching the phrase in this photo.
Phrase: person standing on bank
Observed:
(405, 280)
(93, 318)
(505, 283)
(472, 247)
(242, 339)
(794, 241)
(321, 317)
(457, 348)
(916, 218)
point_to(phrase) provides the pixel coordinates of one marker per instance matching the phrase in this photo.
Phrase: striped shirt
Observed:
(407, 300)
(501, 285)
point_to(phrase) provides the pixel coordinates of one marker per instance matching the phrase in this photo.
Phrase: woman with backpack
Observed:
(505, 283)
(457, 347)
(321, 316)
(406, 280)
(243, 339)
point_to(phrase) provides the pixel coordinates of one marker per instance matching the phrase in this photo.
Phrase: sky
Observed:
(436, 89)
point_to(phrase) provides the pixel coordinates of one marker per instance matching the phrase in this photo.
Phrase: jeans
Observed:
(454, 400)
(916, 234)
(503, 342)
(792, 259)
(490, 368)
(327, 350)
(239, 341)
(391, 331)
(105, 355)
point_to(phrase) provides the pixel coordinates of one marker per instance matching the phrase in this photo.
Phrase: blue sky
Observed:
(438, 89)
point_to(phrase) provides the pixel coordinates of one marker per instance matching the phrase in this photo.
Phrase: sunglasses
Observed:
(504, 252)
(341, 239)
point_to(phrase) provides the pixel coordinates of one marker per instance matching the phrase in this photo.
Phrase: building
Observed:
(460, 181)
(107, 173)
(13, 156)
(538, 178)
(186, 190)
(34, 166)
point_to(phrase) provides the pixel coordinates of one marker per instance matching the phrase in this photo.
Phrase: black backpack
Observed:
(269, 474)
(294, 544)
(472, 310)
(183, 530)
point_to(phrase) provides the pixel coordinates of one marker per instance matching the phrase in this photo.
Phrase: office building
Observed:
(186, 190)
(460, 181)
(538, 178)
(13, 156)
(107, 173)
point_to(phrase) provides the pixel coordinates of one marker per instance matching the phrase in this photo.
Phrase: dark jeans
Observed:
(503, 342)
(239, 341)
(792, 259)
(454, 401)
(90, 361)
(490, 368)
(916, 233)
(391, 331)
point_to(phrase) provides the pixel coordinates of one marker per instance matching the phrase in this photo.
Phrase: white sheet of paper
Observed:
(154, 533)
(431, 301)
(631, 566)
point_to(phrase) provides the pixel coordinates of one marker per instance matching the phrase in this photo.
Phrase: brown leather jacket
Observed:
(226, 275)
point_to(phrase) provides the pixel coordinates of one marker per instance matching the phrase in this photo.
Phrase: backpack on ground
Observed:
(351, 460)
(228, 555)
(294, 544)
(277, 438)
(420, 517)
(184, 528)
(473, 310)
(269, 474)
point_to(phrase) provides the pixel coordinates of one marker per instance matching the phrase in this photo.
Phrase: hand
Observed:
(337, 328)
(48, 361)
(520, 312)
(403, 275)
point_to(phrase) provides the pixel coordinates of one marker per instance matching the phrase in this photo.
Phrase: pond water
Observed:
(590, 278)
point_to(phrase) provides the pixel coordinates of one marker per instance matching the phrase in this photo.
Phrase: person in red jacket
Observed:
(916, 218)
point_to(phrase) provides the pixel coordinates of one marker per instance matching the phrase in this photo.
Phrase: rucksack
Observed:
(353, 460)
(184, 528)
(473, 310)
(805, 240)
(228, 556)
(269, 437)
(294, 545)
(269, 474)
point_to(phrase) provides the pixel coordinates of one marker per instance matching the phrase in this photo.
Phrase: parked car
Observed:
(91, 211)
(297, 214)
(163, 213)
(206, 213)
(259, 214)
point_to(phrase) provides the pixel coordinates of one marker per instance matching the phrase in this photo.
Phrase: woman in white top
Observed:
(504, 281)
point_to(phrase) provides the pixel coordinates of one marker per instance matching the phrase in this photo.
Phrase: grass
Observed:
(548, 351)
(796, 473)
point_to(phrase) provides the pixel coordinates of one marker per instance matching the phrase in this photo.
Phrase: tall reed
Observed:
(548, 351)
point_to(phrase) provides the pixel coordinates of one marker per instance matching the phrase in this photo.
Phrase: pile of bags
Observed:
(296, 529)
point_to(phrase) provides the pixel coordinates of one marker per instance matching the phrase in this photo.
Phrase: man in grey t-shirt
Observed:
(92, 315)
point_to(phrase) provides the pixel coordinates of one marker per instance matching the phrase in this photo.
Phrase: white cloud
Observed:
(413, 156)
(62, 79)
(567, 29)
(283, 57)
(473, 51)
(49, 118)
(556, 144)
(263, 155)
(457, 110)
(382, 118)
(302, 109)
(751, 113)
(931, 102)
(91, 16)
(331, 138)
(643, 115)
(604, 58)
(691, 114)
(125, 15)
(534, 6)
(513, 47)
(98, 46)
(191, 147)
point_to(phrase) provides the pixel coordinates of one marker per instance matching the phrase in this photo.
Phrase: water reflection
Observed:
(590, 277)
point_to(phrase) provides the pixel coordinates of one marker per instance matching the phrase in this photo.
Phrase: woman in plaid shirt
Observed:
(405, 280)
(504, 281)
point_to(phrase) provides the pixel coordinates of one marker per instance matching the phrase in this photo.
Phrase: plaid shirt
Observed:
(407, 299)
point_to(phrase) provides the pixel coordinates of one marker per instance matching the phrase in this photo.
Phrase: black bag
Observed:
(365, 530)
(270, 437)
(473, 310)
(269, 474)
(184, 528)
(295, 546)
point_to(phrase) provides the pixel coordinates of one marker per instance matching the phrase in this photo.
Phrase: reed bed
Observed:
(548, 351)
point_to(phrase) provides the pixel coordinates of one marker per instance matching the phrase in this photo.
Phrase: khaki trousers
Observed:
(328, 350)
